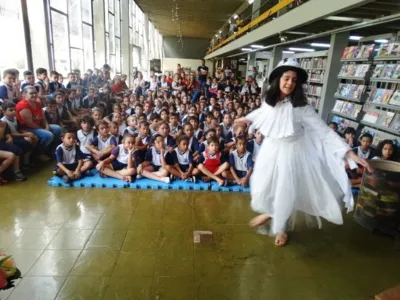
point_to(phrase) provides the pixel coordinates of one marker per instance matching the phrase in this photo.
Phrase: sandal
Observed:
(281, 239)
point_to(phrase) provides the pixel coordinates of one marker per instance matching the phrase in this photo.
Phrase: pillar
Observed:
(337, 44)
(125, 49)
(146, 44)
(276, 57)
(256, 9)
(251, 62)
(99, 32)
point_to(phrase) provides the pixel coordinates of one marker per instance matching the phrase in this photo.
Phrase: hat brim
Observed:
(302, 75)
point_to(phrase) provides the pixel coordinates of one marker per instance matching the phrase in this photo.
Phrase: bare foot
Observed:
(281, 239)
(206, 178)
(221, 182)
(259, 220)
(128, 178)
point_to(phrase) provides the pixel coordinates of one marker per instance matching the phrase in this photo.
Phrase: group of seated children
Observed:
(149, 146)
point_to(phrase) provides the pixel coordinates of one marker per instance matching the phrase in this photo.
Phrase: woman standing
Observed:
(194, 88)
(300, 166)
(138, 84)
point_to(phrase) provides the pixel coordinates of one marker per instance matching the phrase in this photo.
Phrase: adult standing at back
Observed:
(202, 73)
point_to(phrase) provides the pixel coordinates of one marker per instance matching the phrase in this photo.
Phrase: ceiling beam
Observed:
(304, 14)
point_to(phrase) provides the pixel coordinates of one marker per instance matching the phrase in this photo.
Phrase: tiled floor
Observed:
(122, 244)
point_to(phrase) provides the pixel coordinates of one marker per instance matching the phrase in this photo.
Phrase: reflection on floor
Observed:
(124, 244)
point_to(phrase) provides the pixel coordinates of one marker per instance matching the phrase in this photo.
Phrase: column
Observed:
(125, 49)
(146, 44)
(276, 57)
(256, 9)
(40, 44)
(337, 44)
(99, 32)
(251, 62)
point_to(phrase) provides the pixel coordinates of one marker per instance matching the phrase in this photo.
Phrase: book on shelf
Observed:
(371, 117)
(396, 72)
(388, 72)
(350, 90)
(357, 110)
(385, 118)
(350, 52)
(338, 106)
(365, 51)
(358, 91)
(395, 100)
(385, 50)
(377, 139)
(319, 62)
(369, 130)
(395, 49)
(361, 70)
(343, 123)
(378, 70)
(378, 95)
(344, 53)
(395, 125)
(313, 101)
(348, 109)
(386, 96)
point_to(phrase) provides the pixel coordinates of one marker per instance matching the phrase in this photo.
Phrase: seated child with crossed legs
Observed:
(210, 163)
(182, 160)
(100, 146)
(121, 163)
(71, 162)
(241, 164)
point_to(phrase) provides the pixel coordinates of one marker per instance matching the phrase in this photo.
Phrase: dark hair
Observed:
(54, 73)
(193, 118)
(103, 123)
(40, 71)
(86, 119)
(210, 130)
(156, 136)
(128, 135)
(348, 130)
(72, 90)
(174, 114)
(71, 130)
(382, 144)
(240, 138)
(367, 135)
(187, 124)
(213, 139)
(181, 138)
(9, 72)
(7, 105)
(143, 123)
(272, 95)
(50, 101)
(28, 73)
(154, 116)
(335, 124)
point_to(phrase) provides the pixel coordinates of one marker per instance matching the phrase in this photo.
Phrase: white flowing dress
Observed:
(299, 167)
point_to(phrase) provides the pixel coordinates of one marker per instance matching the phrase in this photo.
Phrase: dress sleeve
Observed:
(316, 127)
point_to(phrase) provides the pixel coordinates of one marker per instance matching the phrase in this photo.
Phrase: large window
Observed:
(113, 34)
(13, 48)
(71, 35)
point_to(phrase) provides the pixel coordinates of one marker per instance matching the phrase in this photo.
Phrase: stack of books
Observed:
(353, 70)
(389, 49)
(363, 51)
(347, 108)
(384, 96)
(306, 63)
(317, 76)
(353, 91)
(319, 63)
(386, 71)
(314, 90)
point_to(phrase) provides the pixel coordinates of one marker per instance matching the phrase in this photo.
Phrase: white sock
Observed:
(166, 179)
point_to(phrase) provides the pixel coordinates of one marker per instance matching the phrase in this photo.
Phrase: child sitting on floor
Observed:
(386, 150)
(97, 114)
(253, 146)
(226, 126)
(241, 164)
(198, 133)
(163, 130)
(86, 134)
(71, 162)
(174, 128)
(114, 130)
(121, 163)
(193, 142)
(132, 124)
(182, 160)
(155, 164)
(210, 163)
(101, 145)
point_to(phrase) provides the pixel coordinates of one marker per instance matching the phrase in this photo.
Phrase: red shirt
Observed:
(37, 112)
(118, 88)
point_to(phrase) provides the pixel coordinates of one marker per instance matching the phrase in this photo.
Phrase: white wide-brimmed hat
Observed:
(289, 64)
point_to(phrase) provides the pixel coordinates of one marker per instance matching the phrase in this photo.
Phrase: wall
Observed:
(169, 64)
(192, 48)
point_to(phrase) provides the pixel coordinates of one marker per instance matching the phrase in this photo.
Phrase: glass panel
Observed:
(111, 6)
(117, 19)
(107, 48)
(75, 23)
(112, 64)
(117, 55)
(77, 59)
(60, 5)
(61, 43)
(111, 33)
(12, 50)
(106, 15)
(88, 46)
(87, 11)
(130, 13)
(131, 36)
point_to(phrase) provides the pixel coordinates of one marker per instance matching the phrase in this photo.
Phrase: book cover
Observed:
(348, 109)
(339, 88)
(338, 105)
(351, 69)
(358, 91)
(376, 140)
(368, 50)
(361, 70)
(388, 71)
(387, 95)
(356, 52)
(395, 125)
(371, 94)
(343, 70)
(345, 91)
(395, 100)
(357, 110)
(361, 52)
(378, 97)
(386, 118)
(350, 52)
(395, 50)
(385, 50)
(344, 53)
(371, 117)
(378, 70)
(396, 72)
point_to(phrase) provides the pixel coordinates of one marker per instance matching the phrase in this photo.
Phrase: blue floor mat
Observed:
(145, 183)
(232, 188)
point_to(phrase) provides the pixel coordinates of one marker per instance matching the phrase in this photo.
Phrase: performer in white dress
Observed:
(300, 165)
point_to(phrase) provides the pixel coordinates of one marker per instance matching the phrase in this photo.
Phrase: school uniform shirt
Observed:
(253, 147)
(7, 92)
(175, 129)
(131, 131)
(241, 162)
(12, 124)
(41, 85)
(122, 128)
(194, 144)
(146, 140)
(154, 157)
(101, 144)
(122, 154)
(118, 138)
(85, 138)
(25, 84)
(198, 134)
(184, 159)
(152, 131)
(63, 111)
(88, 102)
(227, 132)
(74, 104)
(52, 117)
(70, 85)
(245, 90)
(130, 111)
(366, 155)
(68, 156)
(54, 87)
(153, 86)
(169, 141)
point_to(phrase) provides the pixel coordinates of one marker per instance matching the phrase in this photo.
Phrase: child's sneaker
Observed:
(231, 182)
(194, 179)
(19, 176)
(166, 180)
(189, 179)
(66, 179)
(139, 176)
(172, 177)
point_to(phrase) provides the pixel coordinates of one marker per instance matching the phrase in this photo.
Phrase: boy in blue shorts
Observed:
(182, 161)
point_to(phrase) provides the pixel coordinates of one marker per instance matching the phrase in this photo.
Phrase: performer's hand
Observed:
(242, 122)
(360, 161)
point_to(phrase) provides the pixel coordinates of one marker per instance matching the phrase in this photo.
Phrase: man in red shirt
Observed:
(30, 116)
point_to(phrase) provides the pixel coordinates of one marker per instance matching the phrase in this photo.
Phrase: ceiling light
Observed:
(343, 19)
(229, 21)
(302, 49)
(251, 1)
(297, 32)
(257, 46)
(247, 49)
(288, 52)
(321, 45)
(235, 16)
(355, 37)
(381, 41)
(220, 31)
(216, 35)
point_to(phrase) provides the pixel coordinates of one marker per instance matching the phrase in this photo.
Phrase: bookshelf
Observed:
(315, 64)
(375, 108)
